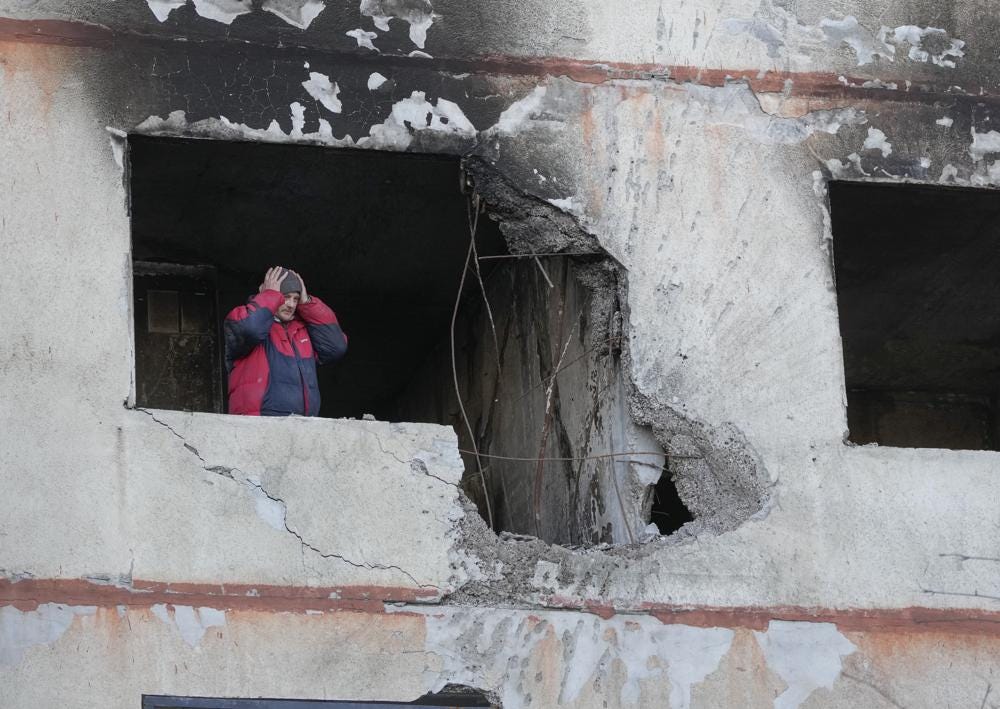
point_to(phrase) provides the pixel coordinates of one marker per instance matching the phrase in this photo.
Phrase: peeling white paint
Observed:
(525, 112)
(879, 84)
(986, 175)
(758, 29)
(914, 36)
(806, 656)
(848, 31)
(23, 630)
(499, 644)
(364, 38)
(417, 54)
(836, 167)
(855, 161)
(418, 13)
(323, 90)
(224, 11)
(416, 113)
(876, 141)
(736, 105)
(375, 81)
(925, 162)
(983, 144)
(946, 121)
(189, 622)
(176, 123)
(788, 38)
(949, 173)
(298, 119)
(574, 206)
(118, 139)
(299, 13)
(885, 41)
(162, 8)
(819, 184)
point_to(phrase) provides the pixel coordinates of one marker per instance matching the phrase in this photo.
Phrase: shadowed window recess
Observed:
(380, 237)
(918, 290)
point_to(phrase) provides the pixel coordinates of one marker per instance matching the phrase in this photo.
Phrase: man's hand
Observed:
(273, 279)
(305, 295)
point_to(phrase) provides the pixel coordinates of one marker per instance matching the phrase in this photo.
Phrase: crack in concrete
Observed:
(964, 557)
(419, 466)
(416, 464)
(244, 479)
(170, 428)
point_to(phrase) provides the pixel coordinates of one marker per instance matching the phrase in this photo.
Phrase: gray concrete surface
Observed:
(710, 194)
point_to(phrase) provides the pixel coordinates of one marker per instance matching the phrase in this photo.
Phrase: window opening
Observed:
(917, 273)
(380, 237)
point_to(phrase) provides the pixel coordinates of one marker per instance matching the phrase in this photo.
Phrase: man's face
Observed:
(287, 310)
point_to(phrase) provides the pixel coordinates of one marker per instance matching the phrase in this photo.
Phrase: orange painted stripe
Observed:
(28, 594)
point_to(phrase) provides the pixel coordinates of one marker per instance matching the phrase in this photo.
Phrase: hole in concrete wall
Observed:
(666, 508)
(918, 272)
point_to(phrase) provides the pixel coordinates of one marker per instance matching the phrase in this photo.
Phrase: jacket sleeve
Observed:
(249, 325)
(328, 340)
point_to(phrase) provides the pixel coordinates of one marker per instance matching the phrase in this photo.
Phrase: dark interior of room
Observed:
(918, 278)
(380, 237)
(667, 510)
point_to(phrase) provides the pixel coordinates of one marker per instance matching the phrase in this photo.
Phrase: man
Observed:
(273, 344)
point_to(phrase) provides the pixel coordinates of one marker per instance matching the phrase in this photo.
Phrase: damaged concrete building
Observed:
(674, 368)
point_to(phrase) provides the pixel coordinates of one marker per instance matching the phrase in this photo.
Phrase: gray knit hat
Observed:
(291, 284)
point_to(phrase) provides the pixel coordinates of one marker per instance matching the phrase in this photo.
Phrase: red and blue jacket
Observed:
(272, 364)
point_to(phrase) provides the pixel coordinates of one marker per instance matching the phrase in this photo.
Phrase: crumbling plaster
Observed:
(522, 658)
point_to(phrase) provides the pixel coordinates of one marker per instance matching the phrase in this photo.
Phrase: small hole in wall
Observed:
(668, 511)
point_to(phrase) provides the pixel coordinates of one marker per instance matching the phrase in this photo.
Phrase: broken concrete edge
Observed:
(28, 595)
(529, 224)
(719, 476)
